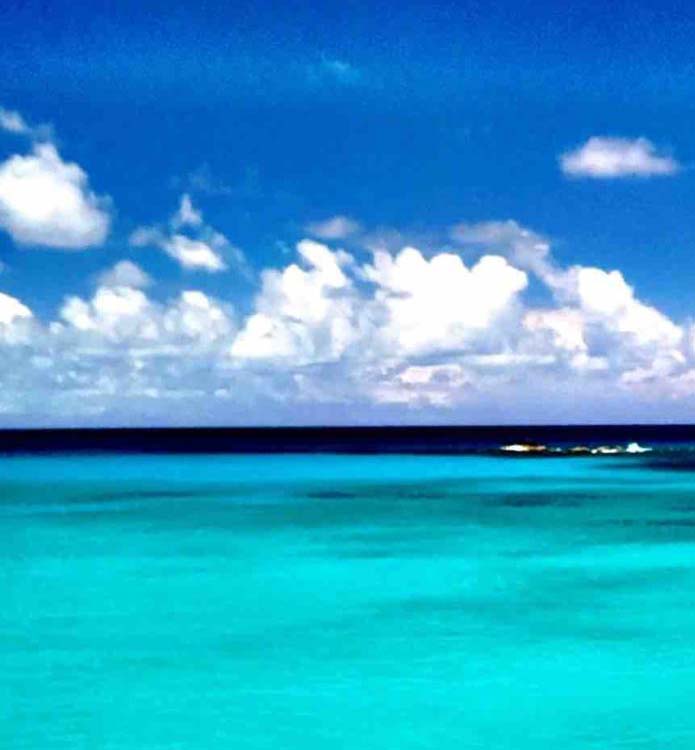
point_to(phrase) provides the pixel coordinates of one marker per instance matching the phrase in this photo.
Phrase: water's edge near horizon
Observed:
(355, 439)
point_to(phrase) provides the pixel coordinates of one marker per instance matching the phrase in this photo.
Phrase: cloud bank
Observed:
(486, 324)
(398, 329)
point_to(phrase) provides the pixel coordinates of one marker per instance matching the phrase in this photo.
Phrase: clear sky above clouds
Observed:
(265, 213)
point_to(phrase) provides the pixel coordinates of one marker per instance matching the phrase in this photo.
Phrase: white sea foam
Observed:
(636, 448)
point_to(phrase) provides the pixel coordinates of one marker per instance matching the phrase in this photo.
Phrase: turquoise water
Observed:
(247, 602)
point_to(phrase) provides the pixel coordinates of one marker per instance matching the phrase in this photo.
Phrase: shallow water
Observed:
(363, 602)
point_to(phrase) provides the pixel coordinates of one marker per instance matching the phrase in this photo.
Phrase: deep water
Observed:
(340, 601)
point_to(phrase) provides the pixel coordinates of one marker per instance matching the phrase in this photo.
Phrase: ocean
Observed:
(368, 590)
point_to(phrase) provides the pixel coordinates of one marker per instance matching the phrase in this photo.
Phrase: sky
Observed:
(260, 213)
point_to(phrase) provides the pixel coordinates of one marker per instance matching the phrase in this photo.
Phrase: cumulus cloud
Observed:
(127, 315)
(523, 247)
(113, 313)
(607, 296)
(606, 158)
(302, 314)
(405, 328)
(11, 309)
(116, 352)
(424, 385)
(201, 247)
(397, 306)
(14, 315)
(46, 201)
(412, 329)
(440, 304)
(565, 325)
(333, 228)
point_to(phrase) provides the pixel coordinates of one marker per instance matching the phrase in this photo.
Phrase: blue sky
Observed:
(203, 142)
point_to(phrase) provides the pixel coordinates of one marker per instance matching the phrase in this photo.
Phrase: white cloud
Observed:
(415, 330)
(13, 122)
(187, 214)
(46, 201)
(201, 248)
(302, 314)
(123, 314)
(16, 320)
(193, 254)
(118, 353)
(565, 326)
(113, 313)
(333, 228)
(144, 236)
(11, 309)
(125, 273)
(524, 248)
(440, 304)
(440, 385)
(603, 157)
(198, 318)
(605, 296)
(405, 329)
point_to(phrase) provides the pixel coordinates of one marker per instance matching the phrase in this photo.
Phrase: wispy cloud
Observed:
(13, 122)
(192, 243)
(202, 180)
(606, 158)
(125, 274)
(334, 70)
(334, 228)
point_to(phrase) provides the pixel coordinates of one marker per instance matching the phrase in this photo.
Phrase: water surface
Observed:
(347, 601)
